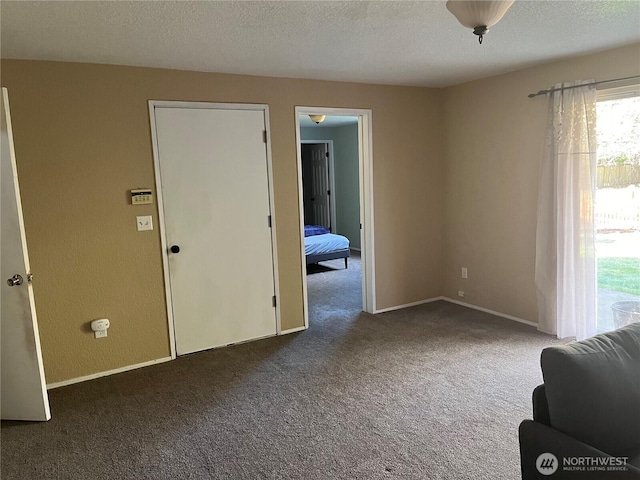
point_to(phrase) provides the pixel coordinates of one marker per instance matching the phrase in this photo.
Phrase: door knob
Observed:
(175, 249)
(15, 280)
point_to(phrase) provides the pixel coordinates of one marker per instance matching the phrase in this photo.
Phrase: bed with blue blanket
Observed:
(320, 245)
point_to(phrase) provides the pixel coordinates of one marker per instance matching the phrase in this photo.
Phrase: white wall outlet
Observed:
(461, 293)
(464, 272)
(144, 222)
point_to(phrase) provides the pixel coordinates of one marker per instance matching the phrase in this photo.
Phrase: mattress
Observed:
(329, 242)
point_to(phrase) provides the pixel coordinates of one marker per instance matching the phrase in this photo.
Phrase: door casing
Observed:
(365, 154)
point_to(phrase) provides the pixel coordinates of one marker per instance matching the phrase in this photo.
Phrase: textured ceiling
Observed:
(391, 42)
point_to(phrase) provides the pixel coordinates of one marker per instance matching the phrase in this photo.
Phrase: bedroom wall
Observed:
(82, 142)
(348, 183)
(347, 194)
(494, 139)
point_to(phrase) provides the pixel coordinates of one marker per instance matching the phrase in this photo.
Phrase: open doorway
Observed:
(334, 181)
(318, 176)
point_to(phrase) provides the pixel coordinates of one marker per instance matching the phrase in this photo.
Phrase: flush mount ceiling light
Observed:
(317, 118)
(479, 14)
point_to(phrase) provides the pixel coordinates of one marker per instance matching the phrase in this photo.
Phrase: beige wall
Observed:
(494, 139)
(82, 142)
(466, 154)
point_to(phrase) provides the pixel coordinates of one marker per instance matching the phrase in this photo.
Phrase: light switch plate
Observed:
(144, 222)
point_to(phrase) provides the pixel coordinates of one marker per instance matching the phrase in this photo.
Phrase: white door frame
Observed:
(332, 179)
(365, 154)
(163, 238)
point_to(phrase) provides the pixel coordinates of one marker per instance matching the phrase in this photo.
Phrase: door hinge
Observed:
(269, 221)
(328, 192)
(264, 136)
(360, 226)
(327, 154)
(273, 299)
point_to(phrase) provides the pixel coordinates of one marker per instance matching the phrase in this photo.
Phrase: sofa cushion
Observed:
(593, 389)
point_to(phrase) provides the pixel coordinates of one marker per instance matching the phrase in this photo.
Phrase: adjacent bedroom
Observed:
(330, 173)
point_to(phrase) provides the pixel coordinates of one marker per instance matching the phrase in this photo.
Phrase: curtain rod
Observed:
(543, 92)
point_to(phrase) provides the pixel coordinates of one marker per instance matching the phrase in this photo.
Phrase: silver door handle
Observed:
(15, 280)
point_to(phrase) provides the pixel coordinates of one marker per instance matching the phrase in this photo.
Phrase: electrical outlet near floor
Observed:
(464, 272)
(461, 293)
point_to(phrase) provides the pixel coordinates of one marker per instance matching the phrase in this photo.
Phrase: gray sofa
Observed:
(586, 415)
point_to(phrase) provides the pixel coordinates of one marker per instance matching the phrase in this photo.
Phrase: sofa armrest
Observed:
(540, 406)
(536, 438)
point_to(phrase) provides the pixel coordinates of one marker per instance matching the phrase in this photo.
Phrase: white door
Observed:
(215, 190)
(316, 165)
(23, 387)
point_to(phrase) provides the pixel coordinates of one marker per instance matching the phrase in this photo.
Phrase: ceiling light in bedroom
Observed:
(479, 14)
(317, 118)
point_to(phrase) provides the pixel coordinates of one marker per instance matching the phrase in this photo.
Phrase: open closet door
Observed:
(23, 387)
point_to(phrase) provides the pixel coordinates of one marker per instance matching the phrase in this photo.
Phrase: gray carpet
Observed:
(431, 392)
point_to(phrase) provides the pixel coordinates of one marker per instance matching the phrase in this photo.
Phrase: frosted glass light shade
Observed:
(317, 118)
(480, 13)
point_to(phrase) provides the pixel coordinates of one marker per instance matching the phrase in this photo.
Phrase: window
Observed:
(617, 207)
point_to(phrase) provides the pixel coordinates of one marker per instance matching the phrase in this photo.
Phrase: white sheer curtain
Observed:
(565, 250)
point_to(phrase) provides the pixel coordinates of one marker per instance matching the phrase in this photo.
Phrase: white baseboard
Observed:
(292, 330)
(492, 312)
(93, 376)
(354, 249)
(407, 305)
(464, 304)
